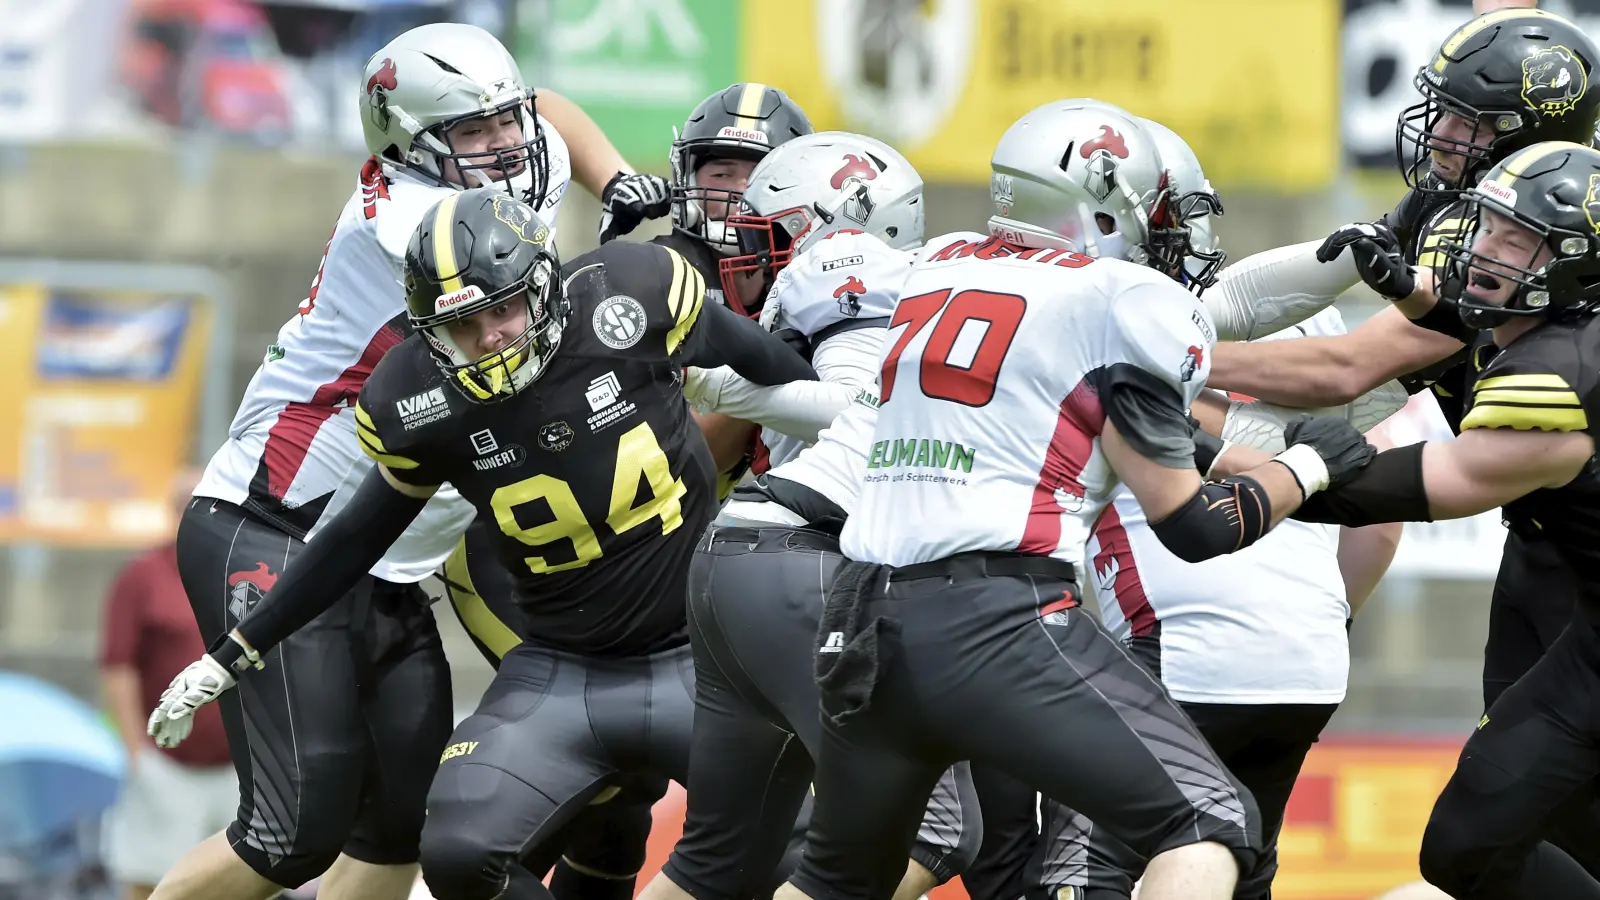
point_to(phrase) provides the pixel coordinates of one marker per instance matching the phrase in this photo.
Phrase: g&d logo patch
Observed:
(619, 322)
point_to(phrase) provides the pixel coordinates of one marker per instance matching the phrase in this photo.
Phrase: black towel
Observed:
(851, 656)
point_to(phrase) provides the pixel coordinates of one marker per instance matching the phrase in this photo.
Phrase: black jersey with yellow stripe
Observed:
(595, 478)
(1549, 380)
(702, 257)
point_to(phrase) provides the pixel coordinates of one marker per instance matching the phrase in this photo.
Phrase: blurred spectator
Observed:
(172, 799)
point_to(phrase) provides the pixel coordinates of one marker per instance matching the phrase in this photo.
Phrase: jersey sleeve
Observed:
(381, 432)
(1534, 384)
(1159, 327)
(668, 291)
(843, 281)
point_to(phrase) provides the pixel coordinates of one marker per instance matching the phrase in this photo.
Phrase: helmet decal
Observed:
(1553, 81)
(1108, 140)
(519, 216)
(854, 167)
(1591, 203)
(383, 78)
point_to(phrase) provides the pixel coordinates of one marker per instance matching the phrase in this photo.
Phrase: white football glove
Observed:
(201, 682)
(629, 199)
(770, 311)
(703, 387)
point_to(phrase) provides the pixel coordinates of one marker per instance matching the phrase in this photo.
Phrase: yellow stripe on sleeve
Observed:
(1544, 380)
(691, 296)
(1510, 397)
(1526, 418)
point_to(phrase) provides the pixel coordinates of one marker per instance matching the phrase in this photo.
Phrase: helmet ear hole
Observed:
(1066, 158)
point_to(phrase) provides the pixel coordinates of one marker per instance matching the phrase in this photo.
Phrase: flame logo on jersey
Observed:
(245, 588)
(849, 296)
(1191, 364)
(383, 78)
(1108, 140)
(1553, 81)
(854, 167)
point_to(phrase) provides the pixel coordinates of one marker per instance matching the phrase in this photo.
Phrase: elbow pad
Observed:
(1222, 517)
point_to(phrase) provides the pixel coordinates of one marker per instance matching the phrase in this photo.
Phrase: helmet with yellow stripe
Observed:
(483, 287)
(1505, 80)
(737, 126)
(1532, 239)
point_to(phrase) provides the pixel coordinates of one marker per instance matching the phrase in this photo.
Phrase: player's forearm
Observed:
(329, 566)
(727, 437)
(594, 158)
(119, 693)
(1271, 290)
(725, 338)
(799, 409)
(1309, 372)
(1260, 424)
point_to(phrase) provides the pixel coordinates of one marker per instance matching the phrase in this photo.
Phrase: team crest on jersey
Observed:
(246, 588)
(619, 322)
(555, 437)
(1191, 364)
(849, 296)
(420, 409)
(1553, 81)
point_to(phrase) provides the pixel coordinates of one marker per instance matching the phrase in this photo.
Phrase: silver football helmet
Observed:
(1197, 202)
(430, 78)
(816, 185)
(1084, 175)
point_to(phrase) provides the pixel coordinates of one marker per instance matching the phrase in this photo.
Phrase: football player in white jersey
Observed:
(1024, 380)
(835, 217)
(337, 741)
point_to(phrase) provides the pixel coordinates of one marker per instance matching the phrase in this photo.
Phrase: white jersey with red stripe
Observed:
(839, 293)
(1277, 607)
(292, 443)
(988, 436)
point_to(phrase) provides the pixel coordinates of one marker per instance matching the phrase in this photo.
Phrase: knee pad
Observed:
(456, 866)
(287, 872)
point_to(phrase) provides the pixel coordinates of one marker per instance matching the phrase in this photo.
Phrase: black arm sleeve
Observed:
(1445, 318)
(1149, 415)
(725, 338)
(1388, 490)
(328, 567)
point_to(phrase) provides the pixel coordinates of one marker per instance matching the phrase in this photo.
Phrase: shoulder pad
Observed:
(398, 404)
(841, 278)
(632, 294)
(1161, 328)
(1535, 383)
(397, 218)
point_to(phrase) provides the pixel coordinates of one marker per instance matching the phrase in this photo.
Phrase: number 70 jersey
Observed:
(988, 436)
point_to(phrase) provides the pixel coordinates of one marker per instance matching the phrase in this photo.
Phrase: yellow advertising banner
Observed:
(1252, 85)
(99, 411)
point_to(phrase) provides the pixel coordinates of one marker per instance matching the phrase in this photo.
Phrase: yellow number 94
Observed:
(639, 456)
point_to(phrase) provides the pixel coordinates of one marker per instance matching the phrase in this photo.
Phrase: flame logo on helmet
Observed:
(854, 167)
(1108, 140)
(1553, 81)
(383, 78)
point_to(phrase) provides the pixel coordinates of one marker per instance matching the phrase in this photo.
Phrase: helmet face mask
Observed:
(1424, 139)
(521, 169)
(489, 256)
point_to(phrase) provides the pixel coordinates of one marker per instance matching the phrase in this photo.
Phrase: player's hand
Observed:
(1342, 448)
(630, 199)
(1378, 257)
(703, 387)
(201, 682)
(770, 310)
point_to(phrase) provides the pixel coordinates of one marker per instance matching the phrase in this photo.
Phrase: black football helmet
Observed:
(475, 251)
(1552, 189)
(1521, 76)
(742, 121)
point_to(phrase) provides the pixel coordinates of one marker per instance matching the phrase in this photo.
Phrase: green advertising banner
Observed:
(636, 66)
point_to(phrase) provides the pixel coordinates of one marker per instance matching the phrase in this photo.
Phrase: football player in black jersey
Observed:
(1528, 272)
(551, 399)
(711, 160)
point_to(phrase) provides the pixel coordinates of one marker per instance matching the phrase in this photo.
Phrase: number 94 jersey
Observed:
(596, 476)
(988, 436)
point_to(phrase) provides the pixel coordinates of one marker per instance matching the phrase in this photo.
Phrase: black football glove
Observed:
(630, 199)
(1343, 449)
(1378, 258)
